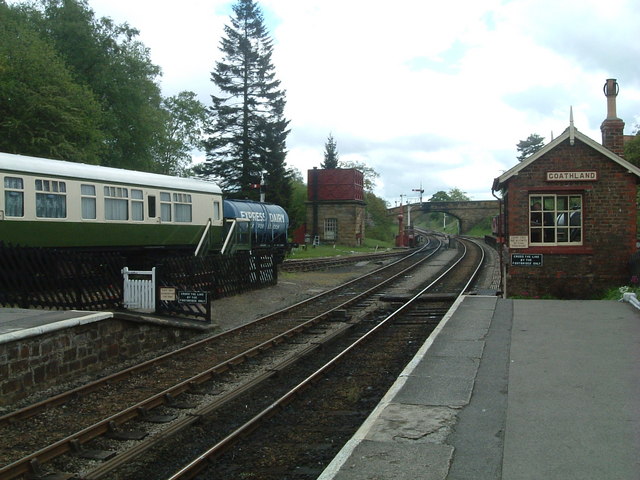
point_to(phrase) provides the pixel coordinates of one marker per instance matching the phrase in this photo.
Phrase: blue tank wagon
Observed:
(52, 203)
(268, 223)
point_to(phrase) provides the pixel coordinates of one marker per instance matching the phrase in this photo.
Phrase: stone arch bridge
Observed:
(468, 213)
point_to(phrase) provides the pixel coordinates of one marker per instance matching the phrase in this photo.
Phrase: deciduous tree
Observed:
(43, 110)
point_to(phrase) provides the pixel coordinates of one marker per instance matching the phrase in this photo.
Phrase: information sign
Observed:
(526, 259)
(518, 241)
(192, 297)
(167, 294)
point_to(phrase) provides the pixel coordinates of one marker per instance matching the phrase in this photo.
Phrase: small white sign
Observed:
(518, 241)
(167, 294)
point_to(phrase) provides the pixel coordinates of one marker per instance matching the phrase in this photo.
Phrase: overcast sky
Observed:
(426, 92)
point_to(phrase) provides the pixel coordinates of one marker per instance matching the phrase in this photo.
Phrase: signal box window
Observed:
(555, 219)
(51, 199)
(330, 228)
(13, 197)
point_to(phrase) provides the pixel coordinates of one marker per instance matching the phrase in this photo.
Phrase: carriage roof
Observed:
(22, 164)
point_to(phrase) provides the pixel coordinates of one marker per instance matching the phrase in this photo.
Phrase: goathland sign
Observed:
(572, 176)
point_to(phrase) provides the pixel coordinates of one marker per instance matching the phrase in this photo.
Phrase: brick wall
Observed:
(609, 226)
(40, 362)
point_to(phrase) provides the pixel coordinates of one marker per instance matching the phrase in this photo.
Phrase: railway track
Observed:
(296, 434)
(107, 407)
(305, 265)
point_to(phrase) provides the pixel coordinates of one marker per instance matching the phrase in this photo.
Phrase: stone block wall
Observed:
(350, 217)
(40, 362)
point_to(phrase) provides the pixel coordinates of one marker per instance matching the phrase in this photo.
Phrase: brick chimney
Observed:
(613, 127)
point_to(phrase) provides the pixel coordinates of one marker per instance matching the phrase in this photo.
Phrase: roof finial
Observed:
(572, 128)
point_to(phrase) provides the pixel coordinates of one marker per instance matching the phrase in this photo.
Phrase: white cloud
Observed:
(437, 93)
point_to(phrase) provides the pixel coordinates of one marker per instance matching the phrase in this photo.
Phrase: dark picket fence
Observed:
(60, 279)
(219, 276)
(55, 279)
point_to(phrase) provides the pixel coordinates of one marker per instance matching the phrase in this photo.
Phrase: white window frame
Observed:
(115, 198)
(548, 215)
(330, 228)
(165, 206)
(88, 201)
(182, 207)
(137, 205)
(13, 190)
(51, 198)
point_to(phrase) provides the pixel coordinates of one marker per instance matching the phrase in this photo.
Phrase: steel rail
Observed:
(200, 463)
(295, 265)
(71, 442)
(61, 398)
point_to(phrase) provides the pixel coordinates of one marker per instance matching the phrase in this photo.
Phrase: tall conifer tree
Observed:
(248, 134)
(330, 153)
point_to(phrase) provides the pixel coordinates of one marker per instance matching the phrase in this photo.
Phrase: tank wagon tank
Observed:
(268, 222)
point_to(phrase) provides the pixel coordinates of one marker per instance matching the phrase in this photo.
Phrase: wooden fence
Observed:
(53, 279)
(59, 279)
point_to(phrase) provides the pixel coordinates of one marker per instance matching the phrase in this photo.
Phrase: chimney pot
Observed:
(611, 89)
(612, 127)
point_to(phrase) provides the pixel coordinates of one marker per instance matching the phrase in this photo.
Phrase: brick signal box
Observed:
(570, 214)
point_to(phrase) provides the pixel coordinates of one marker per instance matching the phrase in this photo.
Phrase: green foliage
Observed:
(79, 88)
(528, 147)
(185, 121)
(43, 111)
(337, 250)
(331, 159)
(108, 59)
(248, 131)
(481, 229)
(632, 150)
(297, 209)
(369, 173)
(454, 195)
(378, 224)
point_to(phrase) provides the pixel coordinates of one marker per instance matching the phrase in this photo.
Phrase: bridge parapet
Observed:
(469, 213)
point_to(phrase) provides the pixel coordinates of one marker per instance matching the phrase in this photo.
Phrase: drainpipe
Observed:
(501, 220)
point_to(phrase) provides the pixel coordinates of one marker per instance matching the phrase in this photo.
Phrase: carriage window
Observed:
(13, 197)
(555, 219)
(216, 210)
(116, 203)
(182, 207)
(137, 205)
(165, 206)
(51, 199)
(152, 206)
(88, 205)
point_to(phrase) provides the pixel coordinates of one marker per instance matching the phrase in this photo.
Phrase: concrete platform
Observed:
(19, 323)
(510, 389)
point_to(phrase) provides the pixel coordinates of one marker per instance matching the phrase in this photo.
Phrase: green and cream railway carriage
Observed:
(52, 203)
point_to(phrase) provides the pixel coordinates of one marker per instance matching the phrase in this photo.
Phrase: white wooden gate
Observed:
(139, 293)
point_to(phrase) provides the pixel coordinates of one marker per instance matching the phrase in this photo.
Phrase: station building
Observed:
(569, 214)
(335, 206)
